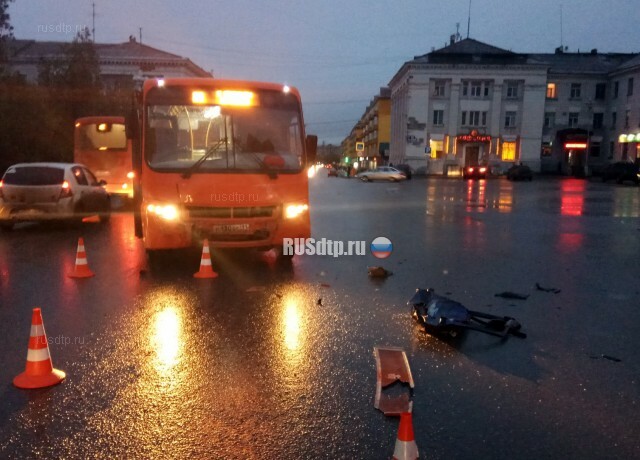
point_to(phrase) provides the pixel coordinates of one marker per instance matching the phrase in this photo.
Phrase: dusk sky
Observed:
(337, 53)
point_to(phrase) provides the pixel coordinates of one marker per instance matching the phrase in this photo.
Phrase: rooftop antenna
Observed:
(469, 19)
(93, 28)
(140, 31)
(561, 47)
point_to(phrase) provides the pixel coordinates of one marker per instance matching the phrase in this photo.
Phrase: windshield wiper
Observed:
(210, 151)
(271, 173)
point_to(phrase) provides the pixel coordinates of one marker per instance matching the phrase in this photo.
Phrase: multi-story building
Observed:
(377, 131)
(368, 143)
(353, 146)
(120, 64)
(470, 103)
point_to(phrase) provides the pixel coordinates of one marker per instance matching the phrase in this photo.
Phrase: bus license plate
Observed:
(230, 228)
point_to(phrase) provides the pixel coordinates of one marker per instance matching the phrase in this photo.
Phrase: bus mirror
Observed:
(311, 146)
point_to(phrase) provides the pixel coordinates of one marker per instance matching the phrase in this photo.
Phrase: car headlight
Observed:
(166, 212)
(291, 211)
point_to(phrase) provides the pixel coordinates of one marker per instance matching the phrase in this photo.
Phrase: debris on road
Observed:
(440, 315)
(512, 295)
(392, 366)
(378, 272)
(610, 358)
(554, 290)
(319, 302)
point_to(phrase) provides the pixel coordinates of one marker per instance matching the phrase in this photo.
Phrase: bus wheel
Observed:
(105, 216)
(156, 259)
(281, 256)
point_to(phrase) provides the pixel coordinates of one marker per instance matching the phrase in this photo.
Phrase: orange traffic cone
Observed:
(206, 270)
(406, 448)
(81, 269)
(39, 372)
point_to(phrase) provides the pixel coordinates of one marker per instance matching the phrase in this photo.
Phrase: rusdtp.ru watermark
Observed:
(322, 247)
(380, 247)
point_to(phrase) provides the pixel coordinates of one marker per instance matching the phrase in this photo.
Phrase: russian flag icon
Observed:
(381, 247)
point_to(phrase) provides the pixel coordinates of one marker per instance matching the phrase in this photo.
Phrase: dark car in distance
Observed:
(475, 172)
(621, 171)
(519, 172)
(332, 172)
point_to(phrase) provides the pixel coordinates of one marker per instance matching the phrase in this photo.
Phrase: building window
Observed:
(616, 87)
(600, 90)
(486, 90)
(573, 119)
(476, 89)
(551, 91)
(576, 88)
(630, 87)
(510, 120)
(465, 88)
(612, 149)
(437, 149)
(439, 89)
(627, 114)
(549, 119)
(438, 117)
(614, 120)
(512, 90)
(474, 118)
(508, 151)
(598, 120)
(594, 149)
(546, 149)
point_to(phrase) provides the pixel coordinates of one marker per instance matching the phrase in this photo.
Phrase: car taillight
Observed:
(470, 170)
(483, 170)
(65, 192)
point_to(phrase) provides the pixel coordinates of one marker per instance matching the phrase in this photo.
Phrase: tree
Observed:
(78, 67)
(6, 32)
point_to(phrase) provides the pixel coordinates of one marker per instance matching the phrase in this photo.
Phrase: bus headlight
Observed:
(166, 212)
(291, 211)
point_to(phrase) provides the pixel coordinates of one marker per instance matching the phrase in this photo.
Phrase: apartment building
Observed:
(120, 63)
(471, 103)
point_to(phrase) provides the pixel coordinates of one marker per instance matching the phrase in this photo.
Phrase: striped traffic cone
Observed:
(39, 372)
(406, 448)
(206, 270)
(81, 269)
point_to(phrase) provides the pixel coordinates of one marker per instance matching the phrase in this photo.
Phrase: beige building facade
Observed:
(472, 103)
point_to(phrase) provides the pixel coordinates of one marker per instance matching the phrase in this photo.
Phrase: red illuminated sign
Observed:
(473, 136)
(575, 145)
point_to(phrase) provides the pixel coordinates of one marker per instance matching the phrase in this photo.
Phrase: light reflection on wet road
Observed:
(252, 365)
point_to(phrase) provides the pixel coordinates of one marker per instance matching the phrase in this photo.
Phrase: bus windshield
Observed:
(205, 138)
(101, 137)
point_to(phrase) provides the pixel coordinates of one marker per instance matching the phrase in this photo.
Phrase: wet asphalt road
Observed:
(249, 365)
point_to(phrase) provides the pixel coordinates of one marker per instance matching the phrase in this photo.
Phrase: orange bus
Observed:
(223, 160)
(101, 144)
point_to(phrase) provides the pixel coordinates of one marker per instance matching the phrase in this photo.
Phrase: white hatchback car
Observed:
(382, 173)
(51, 191)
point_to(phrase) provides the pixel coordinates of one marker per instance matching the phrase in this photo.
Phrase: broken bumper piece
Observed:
(393, 368)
